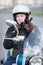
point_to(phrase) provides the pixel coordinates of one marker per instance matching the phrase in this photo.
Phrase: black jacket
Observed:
(18, 45)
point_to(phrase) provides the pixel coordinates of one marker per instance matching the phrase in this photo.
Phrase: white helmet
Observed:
(21, 9)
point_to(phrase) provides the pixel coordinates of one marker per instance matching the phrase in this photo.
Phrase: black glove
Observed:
(8, 44)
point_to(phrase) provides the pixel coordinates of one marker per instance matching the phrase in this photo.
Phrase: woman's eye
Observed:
(17, 16)
(21, 15)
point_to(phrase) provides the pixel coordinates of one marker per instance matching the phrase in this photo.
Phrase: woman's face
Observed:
(20, 18)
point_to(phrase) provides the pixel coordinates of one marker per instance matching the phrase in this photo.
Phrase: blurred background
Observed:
(6, 7)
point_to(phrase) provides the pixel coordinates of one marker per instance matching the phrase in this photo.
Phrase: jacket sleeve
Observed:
(11, 32)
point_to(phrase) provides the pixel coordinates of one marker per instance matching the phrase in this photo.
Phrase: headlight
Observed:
(35, 61)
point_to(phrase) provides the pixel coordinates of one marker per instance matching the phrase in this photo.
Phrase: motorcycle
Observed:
(29, 56)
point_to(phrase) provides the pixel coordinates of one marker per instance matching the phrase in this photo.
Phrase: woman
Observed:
(21, 14)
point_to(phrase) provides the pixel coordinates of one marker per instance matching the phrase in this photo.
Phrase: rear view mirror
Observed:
(10, 22)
